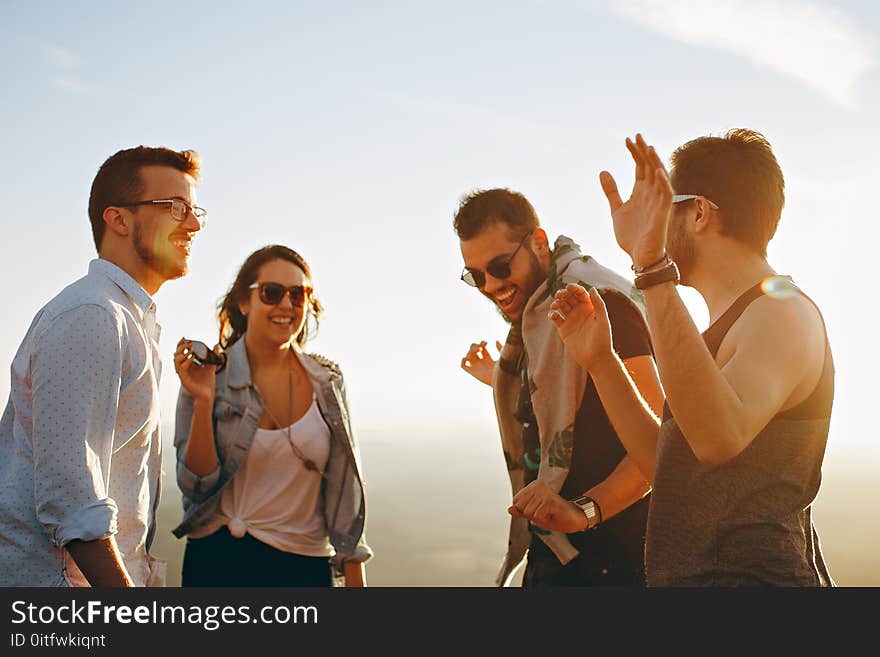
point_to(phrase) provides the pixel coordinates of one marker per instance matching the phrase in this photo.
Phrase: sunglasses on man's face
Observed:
(679, 198)
(497, 268)
(272, 293)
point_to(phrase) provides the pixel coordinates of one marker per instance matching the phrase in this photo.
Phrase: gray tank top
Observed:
(746, 522)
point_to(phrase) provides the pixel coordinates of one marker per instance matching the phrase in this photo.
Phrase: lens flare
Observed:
(779, 287)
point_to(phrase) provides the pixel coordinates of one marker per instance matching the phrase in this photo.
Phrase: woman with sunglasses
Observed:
(266, 459)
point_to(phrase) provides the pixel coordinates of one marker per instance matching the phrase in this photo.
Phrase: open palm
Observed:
(581, 320)
(640, 223)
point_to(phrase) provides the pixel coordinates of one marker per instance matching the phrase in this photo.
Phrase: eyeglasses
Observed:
(179, 209)
(498, 268)
(273, 293)
(678, 198)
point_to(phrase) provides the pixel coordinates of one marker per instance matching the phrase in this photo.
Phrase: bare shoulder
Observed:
(791, 312)
(786, 323)
(776, 350)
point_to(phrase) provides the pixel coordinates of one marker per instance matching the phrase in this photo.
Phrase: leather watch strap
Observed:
(662, 275)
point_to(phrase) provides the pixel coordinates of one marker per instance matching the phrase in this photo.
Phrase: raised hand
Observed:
(581, 320)
(479, 363)
(547, 509)
(198, 380)
(640, 223)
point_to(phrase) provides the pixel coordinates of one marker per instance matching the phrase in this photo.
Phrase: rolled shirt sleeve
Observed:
(362, 551)
(76, 370)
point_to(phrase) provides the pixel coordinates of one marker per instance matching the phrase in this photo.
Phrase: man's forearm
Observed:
(625, 486)
(355, 574)
(704, 404)
(100, 562)
(636, 425)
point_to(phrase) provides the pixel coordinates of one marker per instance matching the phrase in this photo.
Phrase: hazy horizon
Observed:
(349, 132)
(431, 526)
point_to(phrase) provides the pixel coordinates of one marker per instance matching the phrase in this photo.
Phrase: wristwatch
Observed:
(668, 272)
(590, 509)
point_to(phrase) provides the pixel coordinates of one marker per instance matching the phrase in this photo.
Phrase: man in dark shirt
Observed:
(556, 436)
(612, 553)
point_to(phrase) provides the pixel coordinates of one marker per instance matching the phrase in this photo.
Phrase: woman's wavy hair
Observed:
(233, 323)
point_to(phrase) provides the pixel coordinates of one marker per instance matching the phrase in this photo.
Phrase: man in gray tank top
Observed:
(736, 459)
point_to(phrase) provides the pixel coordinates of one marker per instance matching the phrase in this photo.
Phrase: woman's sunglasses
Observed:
(498, 268)
(272, 293)
(202, 354)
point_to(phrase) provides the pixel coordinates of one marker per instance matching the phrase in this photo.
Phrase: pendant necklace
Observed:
(307, 462)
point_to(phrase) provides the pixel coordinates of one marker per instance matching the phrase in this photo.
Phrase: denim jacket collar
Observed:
(237, 363)
(318, 368)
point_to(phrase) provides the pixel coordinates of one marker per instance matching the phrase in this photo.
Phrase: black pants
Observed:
(223, 560)
(612, 554)
(596, 568)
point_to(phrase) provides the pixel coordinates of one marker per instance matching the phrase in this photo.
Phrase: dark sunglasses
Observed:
(202, 354)
(272, 293)
(498, 268)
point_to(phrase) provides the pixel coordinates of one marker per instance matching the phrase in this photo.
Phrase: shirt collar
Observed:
(237, 363)
(125, 282)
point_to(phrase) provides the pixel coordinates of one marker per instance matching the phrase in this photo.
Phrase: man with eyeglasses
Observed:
(736, 459)
(555, 434)
(80, 451)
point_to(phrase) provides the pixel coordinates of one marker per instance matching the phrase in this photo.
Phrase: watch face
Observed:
(586, 505)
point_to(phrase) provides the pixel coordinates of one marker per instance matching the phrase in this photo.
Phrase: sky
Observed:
(349, 131)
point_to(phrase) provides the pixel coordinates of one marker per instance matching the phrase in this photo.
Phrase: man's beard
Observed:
(680, 247)
(166, 267)
(536, 277)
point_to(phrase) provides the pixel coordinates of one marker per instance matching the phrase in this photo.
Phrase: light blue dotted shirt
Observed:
(80, 450)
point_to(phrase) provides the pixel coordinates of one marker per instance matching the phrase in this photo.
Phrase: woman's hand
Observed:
(198, 380)
(640, 224)
(581, 320)
(478, 363)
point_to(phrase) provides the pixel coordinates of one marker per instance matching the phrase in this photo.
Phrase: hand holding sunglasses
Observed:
(202, 355)
(197, 364)
(272, 293)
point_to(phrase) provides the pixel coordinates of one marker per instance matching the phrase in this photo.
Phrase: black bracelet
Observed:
(641, 270)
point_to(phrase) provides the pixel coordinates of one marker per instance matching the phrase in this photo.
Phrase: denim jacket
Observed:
(238, 408)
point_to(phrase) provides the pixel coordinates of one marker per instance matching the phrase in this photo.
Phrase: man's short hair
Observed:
(483, 207)
(740, 174)
(119, 181)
